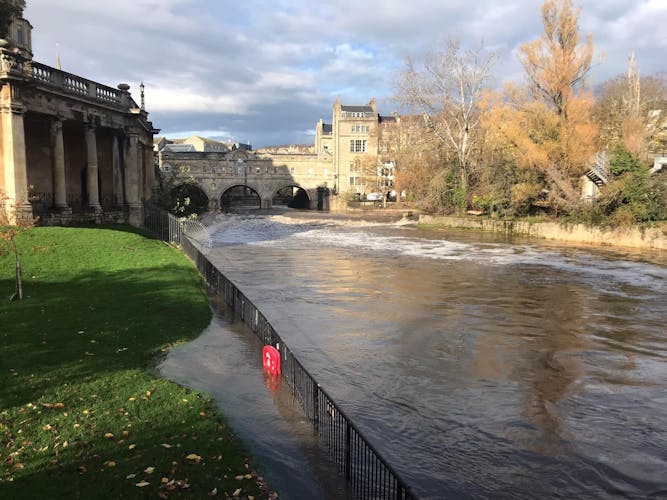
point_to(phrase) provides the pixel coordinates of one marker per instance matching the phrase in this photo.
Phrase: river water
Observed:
(481, 367)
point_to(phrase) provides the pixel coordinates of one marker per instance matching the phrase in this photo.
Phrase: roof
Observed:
(180, 148)
(388, 119)
(357, 109)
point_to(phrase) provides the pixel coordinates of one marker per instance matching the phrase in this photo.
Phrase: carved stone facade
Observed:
(71, 149)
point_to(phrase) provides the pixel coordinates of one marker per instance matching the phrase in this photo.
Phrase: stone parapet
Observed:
(654, 238)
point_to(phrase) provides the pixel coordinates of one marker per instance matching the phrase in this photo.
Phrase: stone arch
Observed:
(293, 196)
(186, 199)
(240, 196)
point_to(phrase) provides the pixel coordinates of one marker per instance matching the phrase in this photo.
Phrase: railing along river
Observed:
(368, 475)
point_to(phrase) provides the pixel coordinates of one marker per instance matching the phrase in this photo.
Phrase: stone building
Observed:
(71, 149)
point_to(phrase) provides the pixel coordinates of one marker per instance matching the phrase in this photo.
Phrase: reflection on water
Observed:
(479, 366)
(225, 362)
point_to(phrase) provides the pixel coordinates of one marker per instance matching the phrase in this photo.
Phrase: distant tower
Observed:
(20, 35)
(142, 89)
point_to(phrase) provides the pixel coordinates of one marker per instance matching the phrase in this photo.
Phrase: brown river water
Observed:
(480, 367)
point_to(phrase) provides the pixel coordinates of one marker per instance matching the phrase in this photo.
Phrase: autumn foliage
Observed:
(528, 146)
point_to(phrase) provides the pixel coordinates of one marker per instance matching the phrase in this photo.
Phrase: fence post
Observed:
(316, 406)
(348, 450)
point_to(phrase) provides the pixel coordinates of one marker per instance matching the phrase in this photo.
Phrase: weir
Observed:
(368, 475)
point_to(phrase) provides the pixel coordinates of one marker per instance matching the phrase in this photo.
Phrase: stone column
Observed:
(118, 189)
(91, 171)
(14, 154)
(133, 180)
(149, 172)
(59, 185)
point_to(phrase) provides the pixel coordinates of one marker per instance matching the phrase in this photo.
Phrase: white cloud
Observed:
(206, 63)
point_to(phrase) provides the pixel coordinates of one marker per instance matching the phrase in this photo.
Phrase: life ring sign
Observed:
(271, 360)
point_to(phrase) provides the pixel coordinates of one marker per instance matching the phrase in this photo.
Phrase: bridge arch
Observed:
(187, 199)
(293, 196)
(240, 196)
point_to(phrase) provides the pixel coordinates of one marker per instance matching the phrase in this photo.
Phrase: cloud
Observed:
(270, 70)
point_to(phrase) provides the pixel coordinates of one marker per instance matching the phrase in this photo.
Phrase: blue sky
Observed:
(267, 71)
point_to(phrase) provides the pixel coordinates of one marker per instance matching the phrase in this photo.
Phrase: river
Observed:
(480, 366)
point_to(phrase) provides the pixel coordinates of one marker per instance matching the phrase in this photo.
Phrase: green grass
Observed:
(82, 412)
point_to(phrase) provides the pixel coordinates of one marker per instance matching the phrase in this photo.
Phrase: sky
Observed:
(265, 72)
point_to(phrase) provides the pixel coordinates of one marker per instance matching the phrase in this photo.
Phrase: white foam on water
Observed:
(293, 233)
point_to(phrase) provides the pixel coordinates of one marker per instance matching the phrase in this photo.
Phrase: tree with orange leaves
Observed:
(548, 124)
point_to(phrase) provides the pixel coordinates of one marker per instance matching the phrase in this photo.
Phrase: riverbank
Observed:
(83, 413)
(653, 238)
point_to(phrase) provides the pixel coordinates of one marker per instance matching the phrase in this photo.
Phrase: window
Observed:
(355, 166)
(357, 128)
(355, 180)
(19, 35)
(358, 145)
(291, 170)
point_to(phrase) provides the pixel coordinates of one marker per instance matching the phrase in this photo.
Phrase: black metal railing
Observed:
(368, 475)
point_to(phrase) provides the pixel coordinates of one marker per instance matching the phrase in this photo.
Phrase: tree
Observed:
(548, 124)
(9, 9)
(631, 109)
(446, 91)
(8, 242)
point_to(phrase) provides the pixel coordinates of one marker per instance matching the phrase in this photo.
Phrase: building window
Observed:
(357, 128)
(291, 170)
(358, 145)
(355, 180)
(19, 35)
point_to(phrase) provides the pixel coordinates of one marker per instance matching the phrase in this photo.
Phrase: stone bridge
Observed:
(215, 173)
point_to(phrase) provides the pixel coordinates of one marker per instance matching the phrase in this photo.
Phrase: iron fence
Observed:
(171, 229)
(368, 475)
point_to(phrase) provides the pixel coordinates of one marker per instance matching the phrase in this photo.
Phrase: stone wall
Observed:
(648, 238)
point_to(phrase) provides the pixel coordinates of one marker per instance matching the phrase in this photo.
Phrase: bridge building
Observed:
(351, 155)
(71, 149)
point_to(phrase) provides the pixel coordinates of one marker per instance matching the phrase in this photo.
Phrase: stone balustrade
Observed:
(80, 86)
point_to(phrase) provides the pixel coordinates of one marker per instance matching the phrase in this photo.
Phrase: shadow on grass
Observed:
(68, 332)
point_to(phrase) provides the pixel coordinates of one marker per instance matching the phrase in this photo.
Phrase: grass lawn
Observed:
(82, 413)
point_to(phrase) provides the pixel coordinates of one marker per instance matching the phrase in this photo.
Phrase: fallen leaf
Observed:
(213, 492)
(248, 476)
(148, 394)
(59, 405)
(131, 447)
(239, 478)
(202, 414)
(126, 433)
(142, 484)
(18, 465)
(109, 435)
(110, 464)
(237, 492)
(193, 456)
(130, 476)
(149, 470)
(165, 445)
(65, 444)
(81, 469)
(132, 399)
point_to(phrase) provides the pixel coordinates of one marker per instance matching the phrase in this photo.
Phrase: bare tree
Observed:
(10, 229)
(446, 89)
